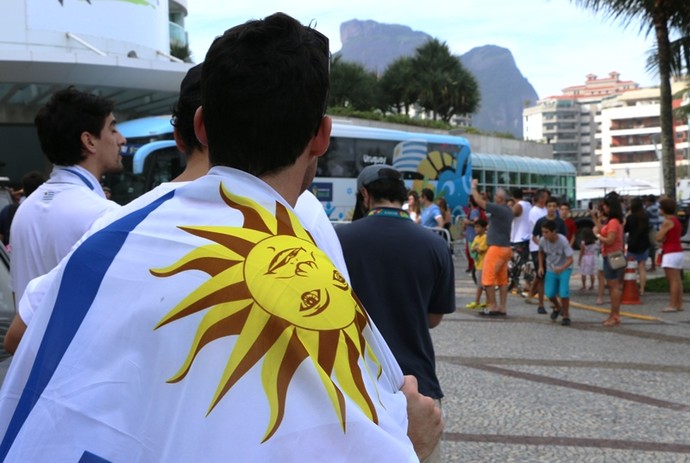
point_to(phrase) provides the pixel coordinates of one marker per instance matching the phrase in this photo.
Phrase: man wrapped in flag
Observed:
(208, 325)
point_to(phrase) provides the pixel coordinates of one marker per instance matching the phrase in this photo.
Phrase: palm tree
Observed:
(398, 86)
(351, 86)
(445, 86)
(660, 16)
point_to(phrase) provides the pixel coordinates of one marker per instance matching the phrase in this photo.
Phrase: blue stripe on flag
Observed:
(88, 457)
(77, 291)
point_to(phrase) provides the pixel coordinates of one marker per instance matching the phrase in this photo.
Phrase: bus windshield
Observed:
(149, 158)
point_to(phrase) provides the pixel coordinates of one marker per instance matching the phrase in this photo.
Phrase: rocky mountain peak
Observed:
(504, 90)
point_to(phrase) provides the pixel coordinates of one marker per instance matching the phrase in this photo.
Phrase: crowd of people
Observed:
(637, 228)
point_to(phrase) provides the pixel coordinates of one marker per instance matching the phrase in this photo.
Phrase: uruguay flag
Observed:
(206, 326)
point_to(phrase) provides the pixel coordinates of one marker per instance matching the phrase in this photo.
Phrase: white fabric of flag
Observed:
(206, 326)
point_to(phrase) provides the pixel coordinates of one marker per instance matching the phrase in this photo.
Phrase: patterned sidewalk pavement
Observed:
(525, 389)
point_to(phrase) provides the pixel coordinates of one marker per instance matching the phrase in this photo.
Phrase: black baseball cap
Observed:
(377, 172)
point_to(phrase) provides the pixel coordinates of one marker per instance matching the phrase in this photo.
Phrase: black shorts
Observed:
(535, 261)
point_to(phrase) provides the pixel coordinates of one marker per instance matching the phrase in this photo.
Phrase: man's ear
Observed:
(365, 197)
(182, 148)
(200, 126)
(320, 142)
(87, 144)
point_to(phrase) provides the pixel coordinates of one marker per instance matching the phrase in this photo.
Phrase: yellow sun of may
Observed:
(282, 297)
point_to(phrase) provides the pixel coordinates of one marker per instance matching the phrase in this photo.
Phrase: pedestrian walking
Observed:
(555, 265)
(611, 237)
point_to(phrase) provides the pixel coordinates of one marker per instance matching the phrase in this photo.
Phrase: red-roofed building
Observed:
(595, 89)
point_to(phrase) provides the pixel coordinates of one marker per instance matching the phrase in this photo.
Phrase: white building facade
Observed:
(567, 121)
(630, 135)
(117, 49)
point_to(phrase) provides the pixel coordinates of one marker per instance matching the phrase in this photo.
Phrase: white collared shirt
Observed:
(51, 220)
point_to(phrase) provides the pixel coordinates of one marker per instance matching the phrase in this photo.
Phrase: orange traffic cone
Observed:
(631, 295)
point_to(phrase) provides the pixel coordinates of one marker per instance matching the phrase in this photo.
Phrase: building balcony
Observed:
(632, 157)
(633, 148)
(637, 131)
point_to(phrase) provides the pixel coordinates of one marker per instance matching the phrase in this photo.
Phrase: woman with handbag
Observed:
(672, 258)
(611, 237)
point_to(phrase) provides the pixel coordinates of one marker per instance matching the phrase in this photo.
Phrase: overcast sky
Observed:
(555, 44)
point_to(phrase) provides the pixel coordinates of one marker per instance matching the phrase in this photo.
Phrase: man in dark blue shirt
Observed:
(402, 273)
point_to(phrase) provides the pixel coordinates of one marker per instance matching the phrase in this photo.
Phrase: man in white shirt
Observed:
(537, 212)
(78, 135)
(520, 232)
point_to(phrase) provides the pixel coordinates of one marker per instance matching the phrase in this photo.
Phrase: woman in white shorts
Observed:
(668, 236)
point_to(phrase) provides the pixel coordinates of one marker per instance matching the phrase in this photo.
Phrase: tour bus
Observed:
(440, 162)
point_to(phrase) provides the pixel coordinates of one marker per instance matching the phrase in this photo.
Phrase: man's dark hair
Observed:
(552, 199)
(185, 108)
(67, 115)
(428, 193)
(264, 88)
(31, 181)
(517, 193)
(541, 193)
(387, 189)
(549, 225)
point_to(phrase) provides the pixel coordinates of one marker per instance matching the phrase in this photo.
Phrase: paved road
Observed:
(525, 389)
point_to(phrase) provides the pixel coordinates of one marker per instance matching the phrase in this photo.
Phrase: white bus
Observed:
(440, 162)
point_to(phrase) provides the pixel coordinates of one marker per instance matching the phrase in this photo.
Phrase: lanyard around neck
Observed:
(81, 176)
(389, 212)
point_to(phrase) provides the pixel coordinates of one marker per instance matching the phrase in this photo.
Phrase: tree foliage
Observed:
(398, 88)
(660, 17)
(352, 86)
(433, 79)
(445, 86)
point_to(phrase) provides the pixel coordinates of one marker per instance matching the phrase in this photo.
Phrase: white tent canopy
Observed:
(598, 187)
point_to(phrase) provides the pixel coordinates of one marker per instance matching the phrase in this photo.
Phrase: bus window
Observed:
(339, 160)
(162, 166)
(125, 185)
(370, 152)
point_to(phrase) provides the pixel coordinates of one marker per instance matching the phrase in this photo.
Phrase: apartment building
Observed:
(119, 49)
(568, 121)
(630, 133)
